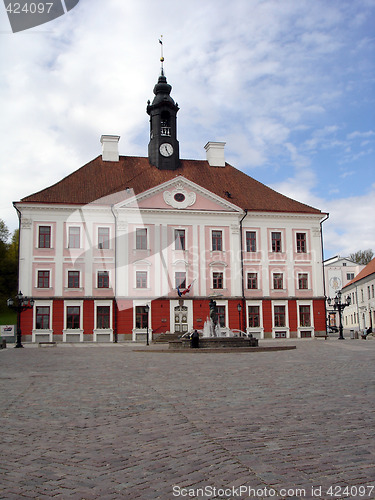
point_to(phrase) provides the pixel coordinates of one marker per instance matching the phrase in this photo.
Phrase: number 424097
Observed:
(29, 8)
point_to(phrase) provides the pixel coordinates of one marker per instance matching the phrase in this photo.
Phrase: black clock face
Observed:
(166, 149)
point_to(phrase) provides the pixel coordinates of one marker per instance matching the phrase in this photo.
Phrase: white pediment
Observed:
(179, 194)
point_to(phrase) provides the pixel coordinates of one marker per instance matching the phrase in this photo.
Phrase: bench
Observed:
(320, 335)
(47, 344)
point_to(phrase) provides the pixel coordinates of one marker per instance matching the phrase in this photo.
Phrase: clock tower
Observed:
(163, 148)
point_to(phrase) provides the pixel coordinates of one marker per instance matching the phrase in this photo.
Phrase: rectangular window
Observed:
(141, 317)
(141, 279)
(368, 293)
(42, 318)
(251, 241)
(74, 237)
(103, 279)
(304, 316)
(217, 240)
(221, 316)
(43, 279)
(141, 239)
(254, 316)
(179, 237)
(277, 281)
(302, 281)
(73, 279)
(301, 242)
(252, 281)
(103, 317)
(180, 279)
(279, 315)
(349, 276)
(103, 238)
(217, 280)
(276, 242)
(44, 236)
(372, 291)
(72, 317)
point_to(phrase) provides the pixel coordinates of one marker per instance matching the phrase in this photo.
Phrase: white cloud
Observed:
(270, 79)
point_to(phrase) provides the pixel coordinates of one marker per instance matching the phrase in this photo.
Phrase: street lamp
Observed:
(339, 306)
(20, 304)
(239, 309)
(147, 309)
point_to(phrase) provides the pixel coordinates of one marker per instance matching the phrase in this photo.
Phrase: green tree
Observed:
(362, 256)
(4, 232)
(8, 265)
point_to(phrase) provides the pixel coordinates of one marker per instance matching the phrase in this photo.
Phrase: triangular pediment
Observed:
(180, 194)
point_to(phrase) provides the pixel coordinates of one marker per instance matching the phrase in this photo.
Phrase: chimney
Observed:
(215, 154)
(110, 147)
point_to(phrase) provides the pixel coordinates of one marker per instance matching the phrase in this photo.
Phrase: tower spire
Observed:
(161, 55)
(163, 148)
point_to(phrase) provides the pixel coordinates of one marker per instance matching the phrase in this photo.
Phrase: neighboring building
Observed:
(126, 245)
(338, 271)
(360, 315)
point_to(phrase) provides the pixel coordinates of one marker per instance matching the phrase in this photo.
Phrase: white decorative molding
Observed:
(187, 198)
(218, 263)
(26, 223)
(122, 225)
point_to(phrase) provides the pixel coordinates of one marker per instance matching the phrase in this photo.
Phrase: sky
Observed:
(287, 84)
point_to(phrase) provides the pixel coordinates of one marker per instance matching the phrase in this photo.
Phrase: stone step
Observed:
(167, 337)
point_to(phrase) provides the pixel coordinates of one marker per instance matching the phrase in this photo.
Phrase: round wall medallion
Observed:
(179, 197)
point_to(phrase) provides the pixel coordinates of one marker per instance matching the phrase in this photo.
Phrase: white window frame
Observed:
(221, 229)
(308, 280)
(35, 333)
(42, 224)
(37, 280)
(77, 331)
(109, 279)
(68, 228)
(103, 332)
(305, 328)
(103, 226)
(224, 303)
(147, 239)
(142, 331)
(67, 288)
(174, 239)
(283, 283)
(285, 328)
(256, 331)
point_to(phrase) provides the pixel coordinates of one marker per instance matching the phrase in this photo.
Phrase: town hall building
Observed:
(128, 247)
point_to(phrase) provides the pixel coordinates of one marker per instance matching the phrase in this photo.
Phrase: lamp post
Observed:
(19, 304)
(339, 306)
(147, 309)
(239, 309)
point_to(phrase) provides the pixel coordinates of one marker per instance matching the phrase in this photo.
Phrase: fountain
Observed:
(213, 337)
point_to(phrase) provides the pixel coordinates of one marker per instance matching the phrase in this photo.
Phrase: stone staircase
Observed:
(164, 338)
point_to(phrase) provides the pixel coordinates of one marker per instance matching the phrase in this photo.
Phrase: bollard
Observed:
(3, 344)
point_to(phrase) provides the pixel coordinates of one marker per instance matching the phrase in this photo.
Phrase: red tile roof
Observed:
(97, 179)
(369, 269)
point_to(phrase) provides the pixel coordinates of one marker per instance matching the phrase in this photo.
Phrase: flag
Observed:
(183, 292)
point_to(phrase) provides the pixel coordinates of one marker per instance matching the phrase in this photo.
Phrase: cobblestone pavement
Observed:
(106, 422)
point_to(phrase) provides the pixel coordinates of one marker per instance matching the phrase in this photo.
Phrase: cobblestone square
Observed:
(111, 422)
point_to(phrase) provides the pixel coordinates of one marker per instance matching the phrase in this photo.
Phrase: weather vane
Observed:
(161, 54)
